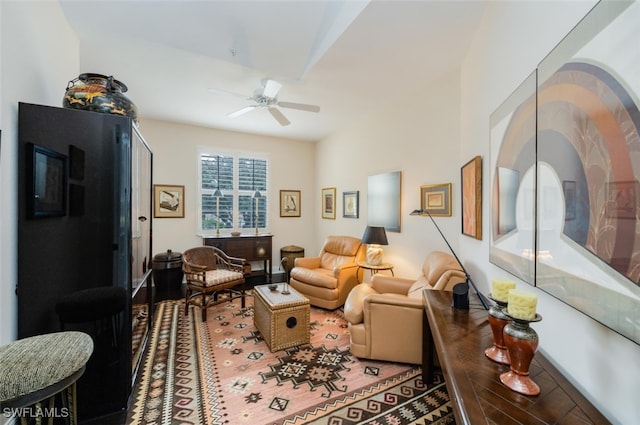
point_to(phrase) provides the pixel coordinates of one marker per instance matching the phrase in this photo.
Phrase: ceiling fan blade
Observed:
(279, 116)
(241, 111)
(300, 106)
(223, 91)
(271, 88)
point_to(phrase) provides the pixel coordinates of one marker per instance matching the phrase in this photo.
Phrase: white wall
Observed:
(39, 54)
(292, 165)
(418, 136)
(513, 38)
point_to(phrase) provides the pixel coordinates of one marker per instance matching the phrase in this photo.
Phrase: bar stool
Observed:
(93, 305)
(40, 367)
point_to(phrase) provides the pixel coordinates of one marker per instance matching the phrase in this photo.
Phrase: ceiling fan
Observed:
(266, 97)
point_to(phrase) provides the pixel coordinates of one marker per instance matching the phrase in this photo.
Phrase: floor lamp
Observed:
(461, 290)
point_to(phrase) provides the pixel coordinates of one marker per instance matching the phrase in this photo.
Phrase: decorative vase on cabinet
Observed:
(99, 93)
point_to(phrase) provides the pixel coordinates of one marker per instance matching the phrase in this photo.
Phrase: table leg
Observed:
(71, 404)
(51, 411)
(427, 351)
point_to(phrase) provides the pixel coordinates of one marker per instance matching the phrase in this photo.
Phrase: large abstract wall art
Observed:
(587, 226)
(513, 172)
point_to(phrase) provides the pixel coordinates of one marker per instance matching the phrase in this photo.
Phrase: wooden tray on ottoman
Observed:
(283, 320)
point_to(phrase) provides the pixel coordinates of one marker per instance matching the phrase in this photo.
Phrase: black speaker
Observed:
(461, 296)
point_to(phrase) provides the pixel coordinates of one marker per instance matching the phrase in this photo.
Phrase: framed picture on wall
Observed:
(437, 199)
(587, 244)
(350, 207)
(290, 203)
(46, 182)
(471, 177)
(512, 182)
(168, 201)
(329, 203)
(76, 163)
(383, 201)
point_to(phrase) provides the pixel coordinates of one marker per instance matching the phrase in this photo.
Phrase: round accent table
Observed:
(37, 368)
(374, 269)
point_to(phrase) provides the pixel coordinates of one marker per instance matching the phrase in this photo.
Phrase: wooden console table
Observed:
(249, 247)
(473, 381)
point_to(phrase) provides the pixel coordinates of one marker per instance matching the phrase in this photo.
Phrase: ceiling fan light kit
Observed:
(271, 88)
(266, 97)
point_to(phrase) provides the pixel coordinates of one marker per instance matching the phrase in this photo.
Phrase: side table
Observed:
(40, 367)
(374, 269)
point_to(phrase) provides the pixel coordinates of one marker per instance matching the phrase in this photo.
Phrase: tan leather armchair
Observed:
(385, 316)
(327, 279)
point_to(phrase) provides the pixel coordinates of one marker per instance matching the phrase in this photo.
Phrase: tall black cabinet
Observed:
(88, 225)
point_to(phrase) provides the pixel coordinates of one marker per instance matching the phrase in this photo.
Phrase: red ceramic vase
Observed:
(521, 342)
(498, 320)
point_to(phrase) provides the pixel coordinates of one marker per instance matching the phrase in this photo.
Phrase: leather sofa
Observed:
(327, 279)
(385, 316)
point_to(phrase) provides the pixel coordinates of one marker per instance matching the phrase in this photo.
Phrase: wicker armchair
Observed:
(208, 271)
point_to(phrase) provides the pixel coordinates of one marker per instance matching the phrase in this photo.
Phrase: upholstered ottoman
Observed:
(282, 319)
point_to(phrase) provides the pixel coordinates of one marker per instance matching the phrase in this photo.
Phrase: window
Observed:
(242, 182)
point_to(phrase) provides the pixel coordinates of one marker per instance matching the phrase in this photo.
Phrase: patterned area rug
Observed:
(139, 325)
(222, 372)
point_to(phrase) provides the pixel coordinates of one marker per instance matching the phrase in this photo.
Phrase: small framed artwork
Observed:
(436, 198)
(76, 163)
(329, 203)
(350, 204)
(471, 177)
(168, 201)
(76, 200)
(46, 182)
(290, 203)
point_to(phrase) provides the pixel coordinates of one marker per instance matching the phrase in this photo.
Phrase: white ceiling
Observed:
(346, 56)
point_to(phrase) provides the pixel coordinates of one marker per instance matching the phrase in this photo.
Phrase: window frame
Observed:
(236, 192)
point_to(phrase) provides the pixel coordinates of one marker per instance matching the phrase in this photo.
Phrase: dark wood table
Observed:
(459, 338)
(249, 247)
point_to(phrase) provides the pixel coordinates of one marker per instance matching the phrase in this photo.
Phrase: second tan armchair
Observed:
(327, 279)
(385, 316)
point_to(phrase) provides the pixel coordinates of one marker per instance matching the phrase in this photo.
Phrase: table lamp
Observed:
(374, 236)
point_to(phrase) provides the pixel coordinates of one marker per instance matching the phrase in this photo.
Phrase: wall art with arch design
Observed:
(565, 171)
